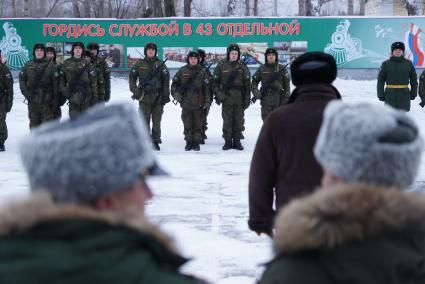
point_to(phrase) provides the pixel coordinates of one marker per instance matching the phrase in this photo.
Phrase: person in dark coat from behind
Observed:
(283, 163)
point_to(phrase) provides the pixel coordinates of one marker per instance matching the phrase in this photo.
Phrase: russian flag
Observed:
(416, 53)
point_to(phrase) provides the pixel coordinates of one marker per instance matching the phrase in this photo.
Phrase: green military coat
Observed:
(394, 77)
(350, 234)
(53, 243)
(103, 73)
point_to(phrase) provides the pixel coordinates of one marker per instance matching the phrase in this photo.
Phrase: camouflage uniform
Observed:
(194, 97)
(103, 73)
(38, 81)
(154, 95)
(78, 84)
(396, 73)
(206, 111)
(57, 112)
(6, 100)
(235, 98)
(275, 85)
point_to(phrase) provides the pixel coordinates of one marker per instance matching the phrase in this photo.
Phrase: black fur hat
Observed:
(80, 44)
(313, 67)
(233, 46)
(192, 53)
(152, 46)
(51, 49)
(268, 51)
(397, 45)
(93, 45)
(39, 46)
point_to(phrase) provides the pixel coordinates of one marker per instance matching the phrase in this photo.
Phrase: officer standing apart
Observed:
(232, 89)
(78, 81)
(51, 55)
(6, 100)
(275, 85)
(206, 111)
(103, 73)
(38, 81)
(191, 88)
(149, 82)
(396, 72)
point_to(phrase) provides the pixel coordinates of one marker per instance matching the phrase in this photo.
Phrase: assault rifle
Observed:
(148, 81)
(76, 82)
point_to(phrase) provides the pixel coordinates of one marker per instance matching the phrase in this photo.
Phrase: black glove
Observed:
(134, 97)
(382, 99)
(217, 101)
(412, 97)
(253, 100)
(422, 104)
(165, 100)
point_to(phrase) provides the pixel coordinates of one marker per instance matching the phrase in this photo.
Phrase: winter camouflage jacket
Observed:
(44, 242)
(103, 73)
(149, 81)
(79, 82)
(237, 90)
(191, 87)
(6, 87)
(275, 85)
(39, 82)
(350, 234)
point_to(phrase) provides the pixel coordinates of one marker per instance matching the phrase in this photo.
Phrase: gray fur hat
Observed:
(97, 153)
(369, 143)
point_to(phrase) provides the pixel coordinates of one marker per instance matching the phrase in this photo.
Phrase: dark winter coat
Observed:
(397, 72)
(283, 159)
(350, 234)
(43, 242)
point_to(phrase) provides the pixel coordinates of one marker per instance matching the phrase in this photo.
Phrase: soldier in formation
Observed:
(394, 77)
(6, 100)
(191, 88)
(103, 73)
(78, 81)
(275, 84)
(149, 82)
(206, 66)
(232, 88)
(38, 81)
(51, 55)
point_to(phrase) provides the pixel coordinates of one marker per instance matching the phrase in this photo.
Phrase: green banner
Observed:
(355, 42)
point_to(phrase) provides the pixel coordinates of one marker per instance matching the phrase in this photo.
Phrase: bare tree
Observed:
(186, 7)
(87, 9)
(231, 5)
(170, 10)
(52, 8)
(76, 9)
(362, 7)
(26, 8)
(246, 7)
(256, 7)
(350, 7)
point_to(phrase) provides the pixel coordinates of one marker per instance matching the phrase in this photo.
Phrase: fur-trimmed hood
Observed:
(336, 216)
(40, 207)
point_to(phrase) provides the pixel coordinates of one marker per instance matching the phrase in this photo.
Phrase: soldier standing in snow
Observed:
(396, 72)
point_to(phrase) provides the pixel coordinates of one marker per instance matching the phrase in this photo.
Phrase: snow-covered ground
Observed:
(204, 202)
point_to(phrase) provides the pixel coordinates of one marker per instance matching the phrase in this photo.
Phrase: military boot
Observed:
(188, 146)
(202, 142)
(2, 149)
(237, 144)
(196, 146)
(227, 144)
(156, 146)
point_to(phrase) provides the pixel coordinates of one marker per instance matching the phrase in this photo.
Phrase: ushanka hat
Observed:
(104, 150)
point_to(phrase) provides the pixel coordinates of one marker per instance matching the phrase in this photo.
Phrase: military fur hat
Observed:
(233, 46)
(152, 46)
(39, 46)
(93, 45)
(271, 50)
(77, 43)
(369, 143)
(397, 45)
(313, 67)
(192, 54)
(102, 151)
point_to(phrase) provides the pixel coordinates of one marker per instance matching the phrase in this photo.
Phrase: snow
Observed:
(204, 202)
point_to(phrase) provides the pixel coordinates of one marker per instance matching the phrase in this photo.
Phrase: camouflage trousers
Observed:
(3, 126)
(75, 110)
(233, 121)
(192, 122)
(265, 110)
(39, 113)
(205, 122)
(154, 113)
